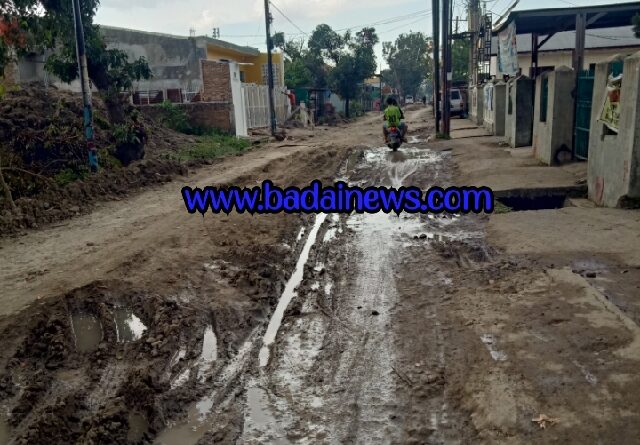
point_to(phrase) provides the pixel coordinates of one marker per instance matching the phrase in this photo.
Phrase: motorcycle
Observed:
(395, 138)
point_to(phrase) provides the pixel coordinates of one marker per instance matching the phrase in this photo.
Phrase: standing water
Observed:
(289, 292)
(209, 352)
(87, 332)
(128, 327)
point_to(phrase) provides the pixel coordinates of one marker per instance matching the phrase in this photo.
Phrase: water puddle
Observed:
(209, 352)
(328, 287)
(490, 342)
(138, 427)
(289, 291)
(87, 331)
(415, 140)
(259, 420)
(198, 421)
(330, 234)
(182, 353)
(181, 379)
(128, 326)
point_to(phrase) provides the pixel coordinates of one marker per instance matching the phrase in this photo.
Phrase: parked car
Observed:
(408, 100)
(457, 103)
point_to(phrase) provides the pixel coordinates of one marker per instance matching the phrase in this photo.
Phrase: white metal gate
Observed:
(255, 99)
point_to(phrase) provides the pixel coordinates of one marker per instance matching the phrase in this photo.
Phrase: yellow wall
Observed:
(252, 73)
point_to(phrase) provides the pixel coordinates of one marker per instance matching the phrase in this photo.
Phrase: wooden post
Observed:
(534, 56)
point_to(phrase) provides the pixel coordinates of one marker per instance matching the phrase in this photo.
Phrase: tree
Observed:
(460, 59)
(356, 63)
(296, 72)
(48, 25)
(409, 60)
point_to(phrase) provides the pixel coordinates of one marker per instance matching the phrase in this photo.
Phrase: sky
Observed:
(242, 21)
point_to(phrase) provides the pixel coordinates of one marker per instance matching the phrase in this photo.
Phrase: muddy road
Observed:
(141, 323)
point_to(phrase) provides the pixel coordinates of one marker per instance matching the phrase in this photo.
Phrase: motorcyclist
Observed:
(394, 117)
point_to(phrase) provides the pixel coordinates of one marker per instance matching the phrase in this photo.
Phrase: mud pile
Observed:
(44, 159)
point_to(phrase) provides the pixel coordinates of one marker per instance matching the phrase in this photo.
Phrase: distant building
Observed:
(175, 61)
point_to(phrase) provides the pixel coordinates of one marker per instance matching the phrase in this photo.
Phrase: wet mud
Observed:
(331, 329)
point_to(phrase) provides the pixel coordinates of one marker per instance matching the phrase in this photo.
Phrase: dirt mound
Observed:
(43, 157)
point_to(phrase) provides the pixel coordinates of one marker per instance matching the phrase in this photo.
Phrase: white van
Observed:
(408, 100)
(457, 103)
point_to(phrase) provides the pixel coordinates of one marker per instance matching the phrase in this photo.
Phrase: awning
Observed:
(553, 20)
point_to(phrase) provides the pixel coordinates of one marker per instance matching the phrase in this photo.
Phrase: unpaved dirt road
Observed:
(141, 323)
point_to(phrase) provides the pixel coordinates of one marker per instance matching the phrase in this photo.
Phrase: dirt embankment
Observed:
(43, 158)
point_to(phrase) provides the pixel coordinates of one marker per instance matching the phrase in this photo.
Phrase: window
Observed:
(276, 74)
(241, 76)
(455, 95)
(544, 99)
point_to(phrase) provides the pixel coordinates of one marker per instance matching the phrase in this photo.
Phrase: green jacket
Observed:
(393, 116)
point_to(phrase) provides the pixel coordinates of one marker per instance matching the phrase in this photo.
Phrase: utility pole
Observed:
(474, 28)
(272, 111)
(436, 60)
(86, 87)
(446, 38)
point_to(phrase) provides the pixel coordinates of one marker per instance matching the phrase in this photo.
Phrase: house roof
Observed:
(604, 38)
(550, 20)
(246, 50)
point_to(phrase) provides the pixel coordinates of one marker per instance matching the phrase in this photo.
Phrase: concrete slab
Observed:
(483, 162)
(572, 231)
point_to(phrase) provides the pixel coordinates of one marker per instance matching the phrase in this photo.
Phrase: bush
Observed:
(211, 146)
(69, 175)
(356, 109)
(175, 118)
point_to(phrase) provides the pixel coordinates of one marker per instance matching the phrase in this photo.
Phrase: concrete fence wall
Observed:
(557, 130)
(519, 112)
(476, 107)
(494, 107)
(614, 159)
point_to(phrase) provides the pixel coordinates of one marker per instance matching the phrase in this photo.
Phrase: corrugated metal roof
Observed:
(622, 37)
(546, 21)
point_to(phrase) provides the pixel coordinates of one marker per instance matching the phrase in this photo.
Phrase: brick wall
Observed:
(216, 82)
(202, 114)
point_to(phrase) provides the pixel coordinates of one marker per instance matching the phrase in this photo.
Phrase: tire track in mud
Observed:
(334, 376)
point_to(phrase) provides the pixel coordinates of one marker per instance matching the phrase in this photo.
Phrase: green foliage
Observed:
(356, 109)
(410, 62)
(126, 134)
(49, 25)
(175, 117)
(69, 175)
(460, 59)
(327, 43)
(356, 63)
(211, 146)
(101, 121)
(296, 74)
(499, 208)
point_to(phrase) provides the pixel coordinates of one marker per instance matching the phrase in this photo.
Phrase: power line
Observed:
(388, 21)
(288, 19)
